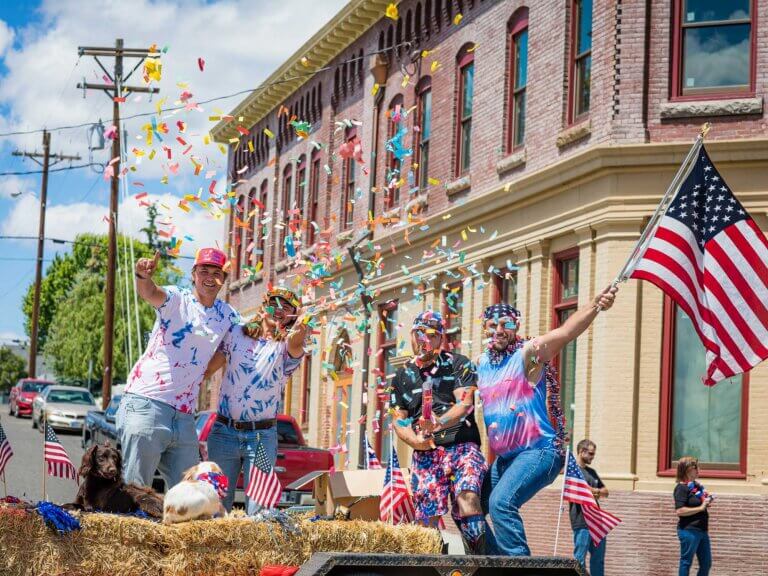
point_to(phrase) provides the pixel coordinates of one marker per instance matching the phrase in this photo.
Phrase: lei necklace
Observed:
(555, 412)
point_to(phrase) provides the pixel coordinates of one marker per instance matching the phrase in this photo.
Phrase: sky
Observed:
(241, 43)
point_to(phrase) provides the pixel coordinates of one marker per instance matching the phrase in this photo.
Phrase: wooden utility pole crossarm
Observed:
(116, 92)
(46, 164)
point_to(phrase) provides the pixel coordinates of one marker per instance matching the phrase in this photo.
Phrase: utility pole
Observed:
(46, 163)
(117, 92)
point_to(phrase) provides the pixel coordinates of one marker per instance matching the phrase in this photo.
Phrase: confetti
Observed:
(391, 12)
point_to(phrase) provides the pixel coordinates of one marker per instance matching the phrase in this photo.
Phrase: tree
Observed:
(11, 369)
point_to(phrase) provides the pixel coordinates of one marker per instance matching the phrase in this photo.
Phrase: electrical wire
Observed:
(62, 169)
(61, 241)
(262, 87)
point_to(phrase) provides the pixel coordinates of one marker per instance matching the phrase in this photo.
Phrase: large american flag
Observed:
(577, 491)
(263, 484)
(371, 460)
(396, 504)
(56, 457)
(5, 450)
(711, 258)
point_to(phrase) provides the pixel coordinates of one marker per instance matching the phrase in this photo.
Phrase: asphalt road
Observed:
(24, 472)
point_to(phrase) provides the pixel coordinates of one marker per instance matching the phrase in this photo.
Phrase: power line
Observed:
(62, 169)
(81, 242)
(216, 98)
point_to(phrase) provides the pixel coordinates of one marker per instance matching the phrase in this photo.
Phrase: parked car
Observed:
(23, 394)
(63, 407)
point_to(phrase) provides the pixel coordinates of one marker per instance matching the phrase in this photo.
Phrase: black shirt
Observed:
(577, 516)
(449, 372)
(685, 498)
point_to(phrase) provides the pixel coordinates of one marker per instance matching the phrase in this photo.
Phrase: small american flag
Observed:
(395, 499)
(263, 484)
(372, 461)
(577, 491)
(5, 450)
(711, 258)
(56, 457)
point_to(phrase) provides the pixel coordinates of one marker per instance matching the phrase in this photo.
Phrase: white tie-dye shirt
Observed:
(185, 337)
(257, 370)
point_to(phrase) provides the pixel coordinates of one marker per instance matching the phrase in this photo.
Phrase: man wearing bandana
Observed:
(433, 396)
(523, 418)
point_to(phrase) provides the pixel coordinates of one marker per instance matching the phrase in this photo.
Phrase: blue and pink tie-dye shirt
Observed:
(515, 413)
(185, 336)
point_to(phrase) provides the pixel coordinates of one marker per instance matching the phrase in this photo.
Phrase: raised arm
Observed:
(145, 286)
(297, 336)
(546, 347)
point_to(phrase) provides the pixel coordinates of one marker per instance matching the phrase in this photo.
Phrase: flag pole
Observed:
(560, 509)
(391, 464)
(5, 487)
(45, 423)
(653, 223)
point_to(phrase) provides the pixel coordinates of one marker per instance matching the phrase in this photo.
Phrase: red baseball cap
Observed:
(210, 257)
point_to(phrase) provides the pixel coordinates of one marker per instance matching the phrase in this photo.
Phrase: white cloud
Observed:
(6, 37)
(13, 186)
(67, 221)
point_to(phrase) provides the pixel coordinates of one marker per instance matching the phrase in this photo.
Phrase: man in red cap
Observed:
(155, 420)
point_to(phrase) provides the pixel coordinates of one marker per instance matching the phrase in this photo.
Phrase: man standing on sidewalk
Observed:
(155, 420)
(582, 541)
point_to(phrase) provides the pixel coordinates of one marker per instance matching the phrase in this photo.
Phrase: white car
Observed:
(64, 407)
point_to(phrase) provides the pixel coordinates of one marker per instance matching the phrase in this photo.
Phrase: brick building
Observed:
(544, 134)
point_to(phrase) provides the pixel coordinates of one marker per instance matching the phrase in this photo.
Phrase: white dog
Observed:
(198, 496)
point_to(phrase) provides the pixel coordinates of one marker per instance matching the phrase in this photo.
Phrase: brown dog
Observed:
(103, 488)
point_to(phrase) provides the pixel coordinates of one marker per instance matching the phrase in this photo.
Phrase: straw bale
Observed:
(236, 546)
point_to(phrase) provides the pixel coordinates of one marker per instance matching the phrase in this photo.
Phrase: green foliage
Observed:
(11, 368)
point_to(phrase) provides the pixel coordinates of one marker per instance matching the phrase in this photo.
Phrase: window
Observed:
(348, 192)
(565, 302)
(297, 220)
(422, 137)
(709, 423)
(505, 287)
(466, 65)
(287, 197)
(392, 192)
(250, 218)
(261, 230)
(713, 49)
(314, 193)
(388, 319)
(237, 234)
(518, 79)
(581, 59)
(453, 305)
(306, 379)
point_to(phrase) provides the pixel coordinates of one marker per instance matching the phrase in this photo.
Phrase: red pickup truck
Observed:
(294, 458)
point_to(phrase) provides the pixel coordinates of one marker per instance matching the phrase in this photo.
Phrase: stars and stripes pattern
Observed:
(577, 491)
(263, 484)
(396, 504)
(711, 258)
(371, 460)
(56, 457)
(6, 452)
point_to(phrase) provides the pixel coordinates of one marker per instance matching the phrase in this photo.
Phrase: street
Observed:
(24, 472)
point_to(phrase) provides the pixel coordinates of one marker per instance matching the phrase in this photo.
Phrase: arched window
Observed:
(348, 185)
(517, 40)
(314, 197)
(249, 217)
(236, 247)
(259, 229)
(408, 26)
(399, 35)
(393, 165)
(465, 64)
(579, 87)
(418, 32)
(390, 38)
(423, 135)
(297, 220)
(439, 14)
(344, 79)
(286, 206)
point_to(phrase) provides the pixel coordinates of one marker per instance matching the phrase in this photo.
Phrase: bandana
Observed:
(501, 310)
(219, 482)
(429, 320)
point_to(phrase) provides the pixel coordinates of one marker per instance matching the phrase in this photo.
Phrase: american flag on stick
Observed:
(711, 258)
(577, 491)
(56, 458)
(371, 460)
(5, 450)
(396, 504)
(263, 484)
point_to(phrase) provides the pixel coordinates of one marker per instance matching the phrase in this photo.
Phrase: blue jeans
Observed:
(694, 541)
(510, 484)
(155, 436)
(235, 450)
(582, 543)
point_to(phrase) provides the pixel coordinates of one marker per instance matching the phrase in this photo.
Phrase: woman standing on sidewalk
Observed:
(691, 503)
(260, 358)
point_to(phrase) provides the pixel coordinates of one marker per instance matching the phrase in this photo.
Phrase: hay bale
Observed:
(122, 546)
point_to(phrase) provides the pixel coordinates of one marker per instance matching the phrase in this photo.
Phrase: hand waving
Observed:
(146, 267)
